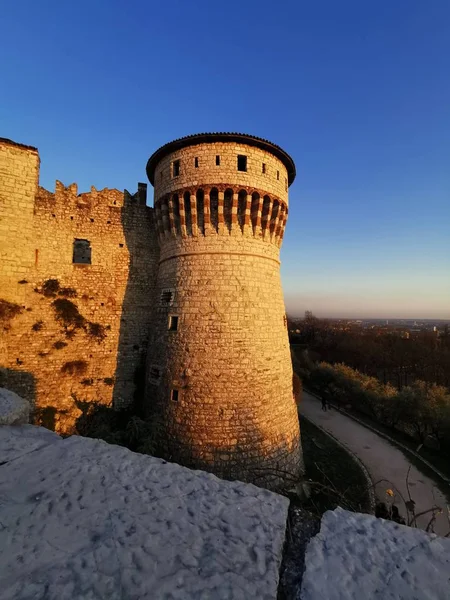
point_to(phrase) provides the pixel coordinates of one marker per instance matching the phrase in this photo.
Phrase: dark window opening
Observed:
(214, 207)
(217, 160)
(92, 220)
(175, 168)
(242, 162)
(120, 245)
(187, 211)
(201, 210)
(176, 213)
(167, 296)
(228, 207)
(278, 175)
(286, 183)
(242, 206)
(160, 176)
(81, 252)
(196, 162)
(264, 167)
(173, 323)
(175, 395)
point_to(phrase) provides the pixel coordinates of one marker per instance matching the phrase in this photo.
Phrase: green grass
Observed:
(337, 478)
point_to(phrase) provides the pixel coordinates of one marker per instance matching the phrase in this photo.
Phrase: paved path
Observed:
(383, 460)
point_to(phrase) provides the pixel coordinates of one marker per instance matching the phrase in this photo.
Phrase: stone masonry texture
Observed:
(188, 290)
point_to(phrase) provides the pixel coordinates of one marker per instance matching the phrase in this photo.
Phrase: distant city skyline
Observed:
(358, 94)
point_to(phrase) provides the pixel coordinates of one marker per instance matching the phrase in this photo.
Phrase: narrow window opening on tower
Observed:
(217, 160)
(201, 210)
(278, 175)
(174, 395)
(242, 205)
(242, 162)
(81, 252)
(254, 210)
(286, 184)
(160, 177)
(228, 207)
(187, 212)
(175, 168)
(176, 213)
(173, 322)
(154, 375)
(167, 296)
(264, 167)
(214, 207)
(196, 162)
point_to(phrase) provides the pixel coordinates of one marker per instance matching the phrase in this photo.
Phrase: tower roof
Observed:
(211, 138)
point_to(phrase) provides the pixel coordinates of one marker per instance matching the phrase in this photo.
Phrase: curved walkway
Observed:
(383, 461)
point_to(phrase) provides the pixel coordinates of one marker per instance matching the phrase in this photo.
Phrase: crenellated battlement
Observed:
(66, 201)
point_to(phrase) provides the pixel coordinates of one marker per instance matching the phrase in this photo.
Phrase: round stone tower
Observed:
(219, 373)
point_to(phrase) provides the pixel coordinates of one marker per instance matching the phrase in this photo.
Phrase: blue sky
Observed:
(357, 92)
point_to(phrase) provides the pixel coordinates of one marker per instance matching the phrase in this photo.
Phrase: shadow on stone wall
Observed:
(142, 244)
(21, 382)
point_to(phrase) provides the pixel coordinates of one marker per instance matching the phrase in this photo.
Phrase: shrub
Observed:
(59, 345)
(68, 292)
(8, 310)
(50, 288)
(96, 331)
(37, 326)
(74, 367)
(68, 314)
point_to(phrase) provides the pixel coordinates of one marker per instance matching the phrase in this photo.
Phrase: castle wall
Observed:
(98, 358)
(19, 172)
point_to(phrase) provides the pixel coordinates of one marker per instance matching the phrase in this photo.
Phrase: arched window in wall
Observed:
(187, 212)
(265, 213)
(242, 205)
(227, 207)
(214, 207)
(176, 213)
(273, 218)
(254, 209)
(201, 210)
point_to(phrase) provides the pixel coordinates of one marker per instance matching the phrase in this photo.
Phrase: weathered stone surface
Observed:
(22, 439)
(84, 519)
(14, 410)
(359, 556)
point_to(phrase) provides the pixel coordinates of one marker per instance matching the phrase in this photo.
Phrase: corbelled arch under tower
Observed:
(219, 373)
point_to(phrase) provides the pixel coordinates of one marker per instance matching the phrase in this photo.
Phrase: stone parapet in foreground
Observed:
(81, 518)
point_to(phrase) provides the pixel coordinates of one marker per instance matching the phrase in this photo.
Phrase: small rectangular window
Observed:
(173, 322)
(217, 160)
(167, 296)
(278, 175)
(286, 183)
(174, 395)
(81, 252)
(154, 375)
(242, 162)
(196, 162)
(175, 168)
(264, 167)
